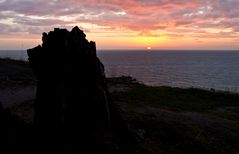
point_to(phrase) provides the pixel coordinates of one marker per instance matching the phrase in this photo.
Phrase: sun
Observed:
(148, 48)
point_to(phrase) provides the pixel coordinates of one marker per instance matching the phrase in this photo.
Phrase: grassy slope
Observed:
(15, 72)
(164, 119)
(174, 120)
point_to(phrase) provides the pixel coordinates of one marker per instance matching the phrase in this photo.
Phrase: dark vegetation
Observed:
(11, 76)
(175, 120)
(179, 99)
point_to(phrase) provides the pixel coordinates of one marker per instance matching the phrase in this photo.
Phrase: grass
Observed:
(176, 98)
(175, 120)
(173, 136)
(230, 113)
(15, 72)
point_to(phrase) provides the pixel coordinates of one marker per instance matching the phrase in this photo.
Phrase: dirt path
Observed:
(13, 95)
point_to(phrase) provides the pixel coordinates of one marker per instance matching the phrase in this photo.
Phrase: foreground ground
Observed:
(162, 119)
(174, 120)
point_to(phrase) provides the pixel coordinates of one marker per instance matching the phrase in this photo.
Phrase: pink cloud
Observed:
(174, 18)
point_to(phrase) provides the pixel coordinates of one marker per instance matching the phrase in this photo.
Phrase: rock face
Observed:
(71, 88)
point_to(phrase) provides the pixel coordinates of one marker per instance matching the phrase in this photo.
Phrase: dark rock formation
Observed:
(72, 105)
(71, 91)
(71, 81)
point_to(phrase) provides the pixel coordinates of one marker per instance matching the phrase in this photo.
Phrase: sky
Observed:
(124, 24)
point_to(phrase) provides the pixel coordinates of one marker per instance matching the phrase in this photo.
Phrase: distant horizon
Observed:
(142, 49)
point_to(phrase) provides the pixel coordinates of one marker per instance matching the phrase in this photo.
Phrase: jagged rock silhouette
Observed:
(72, 95)
(71, 81)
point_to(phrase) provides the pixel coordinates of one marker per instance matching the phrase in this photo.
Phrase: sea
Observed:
(212, 70)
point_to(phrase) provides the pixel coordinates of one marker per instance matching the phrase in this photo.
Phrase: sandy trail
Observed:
(11, 96)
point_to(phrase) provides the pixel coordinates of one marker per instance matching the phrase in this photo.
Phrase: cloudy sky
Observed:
(121, 24)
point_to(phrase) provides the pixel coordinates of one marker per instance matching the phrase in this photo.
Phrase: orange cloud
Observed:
(126, 23)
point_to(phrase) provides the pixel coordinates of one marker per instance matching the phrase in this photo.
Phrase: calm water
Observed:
(202, 69)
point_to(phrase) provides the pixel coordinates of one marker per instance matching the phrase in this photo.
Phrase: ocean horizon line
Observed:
(152, 50)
